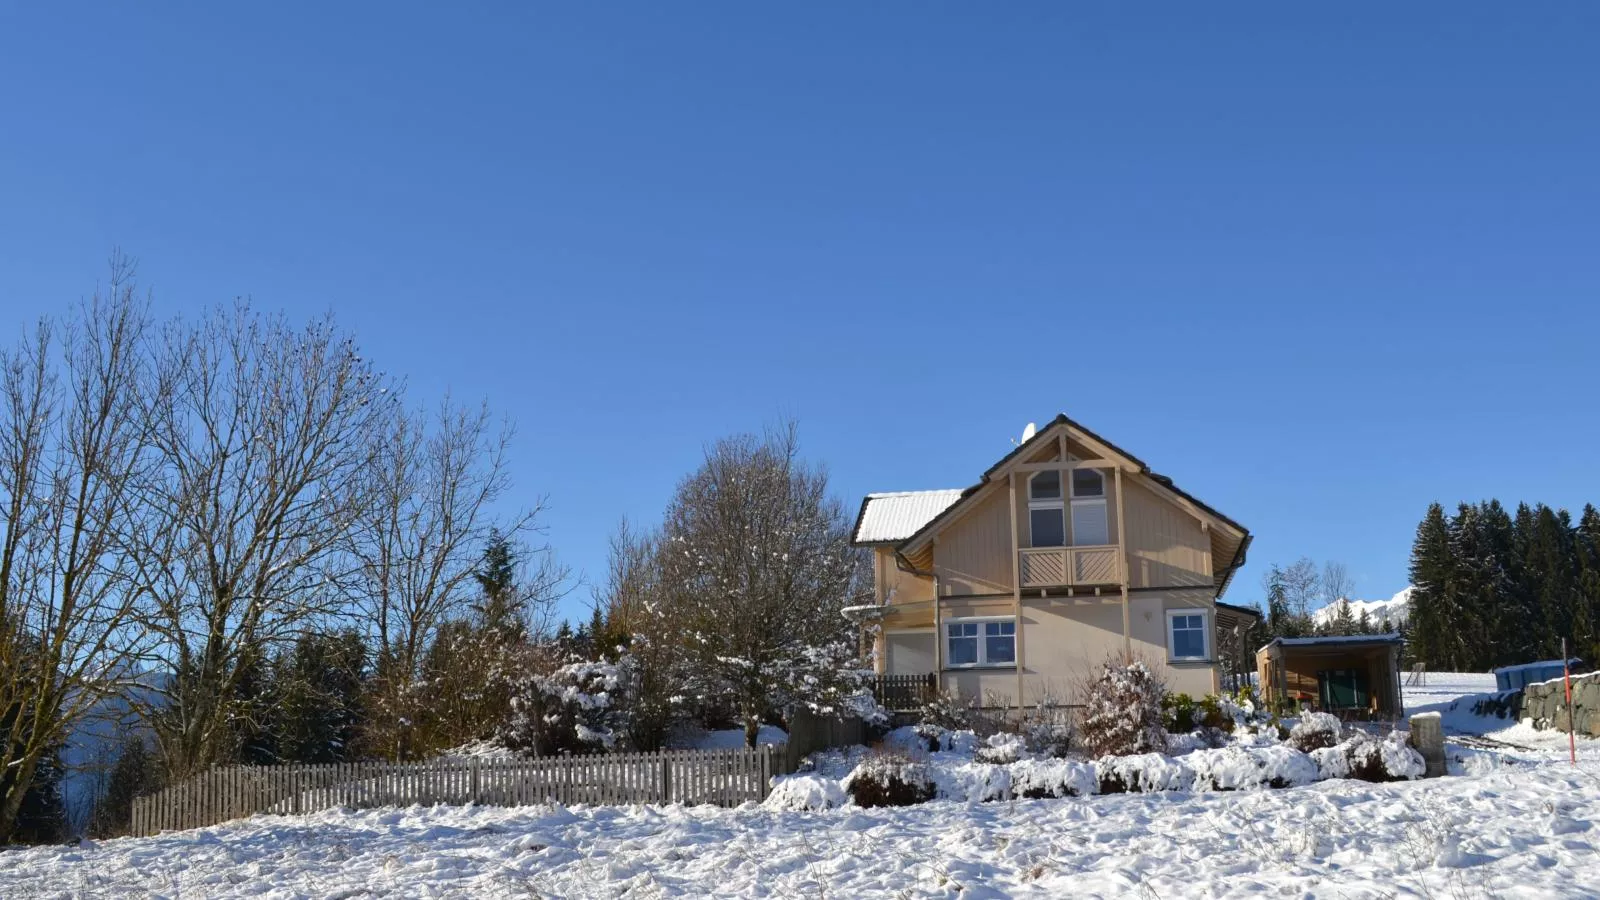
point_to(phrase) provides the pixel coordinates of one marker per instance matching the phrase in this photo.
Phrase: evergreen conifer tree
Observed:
(1433, 607)
(1586, 593)
(1280, 620)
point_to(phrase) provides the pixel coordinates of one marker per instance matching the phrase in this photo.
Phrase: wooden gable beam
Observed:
(1053, 465)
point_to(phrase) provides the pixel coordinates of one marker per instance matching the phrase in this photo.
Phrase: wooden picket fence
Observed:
(720, 777)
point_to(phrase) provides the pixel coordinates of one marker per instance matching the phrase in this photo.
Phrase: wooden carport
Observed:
(1354, 675)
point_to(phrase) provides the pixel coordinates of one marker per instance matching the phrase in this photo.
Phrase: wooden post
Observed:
(666, 778)
(1122, 558)
(1016, 577)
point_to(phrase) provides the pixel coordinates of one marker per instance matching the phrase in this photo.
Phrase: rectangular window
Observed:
(999, 642)
(980, 642)
(963, 644)
(1188, 635)
(1046, 527)
(1089, 526)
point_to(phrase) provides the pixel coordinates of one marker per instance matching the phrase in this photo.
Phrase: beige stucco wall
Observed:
(1065, 640)
(895, 585)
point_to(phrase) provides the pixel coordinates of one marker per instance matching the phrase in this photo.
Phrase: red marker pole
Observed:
(1566, 678)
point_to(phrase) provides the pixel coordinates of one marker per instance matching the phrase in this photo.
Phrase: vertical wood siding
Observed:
(1166, 547)
(973, 555)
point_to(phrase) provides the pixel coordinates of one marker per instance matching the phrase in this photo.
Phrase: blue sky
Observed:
(1320, 265)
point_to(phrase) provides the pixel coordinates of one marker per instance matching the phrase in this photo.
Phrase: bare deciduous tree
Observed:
(1302, 586)
(71, 445)
(1336, 583)
(414, 549)
(263, 436)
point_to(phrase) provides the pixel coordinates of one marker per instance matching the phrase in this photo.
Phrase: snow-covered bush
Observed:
(1142, 772)
(1038, 779)
(1178, 713)
(973, 782)
(1239, 768)
(1208, 720)
(1002, 748)
(1314, 731)
(1048, 730)
(806, 791)
(1123, 711)
(889, 780)
(943, 711)
(1368, 759)
(580, 707)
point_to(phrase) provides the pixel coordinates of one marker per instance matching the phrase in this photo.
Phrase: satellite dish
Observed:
(1029, 432)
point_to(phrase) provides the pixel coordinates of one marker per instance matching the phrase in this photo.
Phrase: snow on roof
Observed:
(897, 516)
(1541, 664)
(1336, 639)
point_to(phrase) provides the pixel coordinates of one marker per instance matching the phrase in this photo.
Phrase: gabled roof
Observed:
(1232, 548)
(891, 518)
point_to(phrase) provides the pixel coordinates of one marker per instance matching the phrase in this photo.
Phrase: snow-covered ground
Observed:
(1521, 825)
(727, 738)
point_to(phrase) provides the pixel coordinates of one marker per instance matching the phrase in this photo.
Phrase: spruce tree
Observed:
(1586, 593)
(317, 688)
(1344, 621)
(1280, 620)
(1433, 607)
(1550, 572)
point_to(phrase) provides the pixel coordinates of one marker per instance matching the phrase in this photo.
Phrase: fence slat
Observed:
(726, 777)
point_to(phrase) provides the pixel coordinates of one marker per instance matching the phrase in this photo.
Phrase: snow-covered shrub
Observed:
(1199, 739)
(1178, 714)
(974, 782)
(1314, 731)
(1211, 712)
(1122, 713)
(1038, 779)
(1002, 748)
(943, 715)
(943, 711)
(580, 707)
(1238, 768)
(889, 780)
(1048, 730)
(1368, 759)
(1142, 772)
(803, 792)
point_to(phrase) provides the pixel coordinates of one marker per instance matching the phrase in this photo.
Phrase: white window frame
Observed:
(982, 639)
(1059, 504)
(1099, 500)
(1205, 635)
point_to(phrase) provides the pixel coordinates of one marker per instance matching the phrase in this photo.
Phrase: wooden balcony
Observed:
(1048, 567)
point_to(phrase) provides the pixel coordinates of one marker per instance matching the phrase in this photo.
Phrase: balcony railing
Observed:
(1068, 566)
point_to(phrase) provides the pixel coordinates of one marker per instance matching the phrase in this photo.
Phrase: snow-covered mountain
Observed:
(1390, 613)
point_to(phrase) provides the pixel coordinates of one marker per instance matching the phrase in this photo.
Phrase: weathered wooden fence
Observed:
(902, 693)
(720, 777)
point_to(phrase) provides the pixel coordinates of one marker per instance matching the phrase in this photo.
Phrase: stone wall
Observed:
(1545, 704)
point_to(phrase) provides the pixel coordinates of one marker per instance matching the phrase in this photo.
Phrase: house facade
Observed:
(1068, 551)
